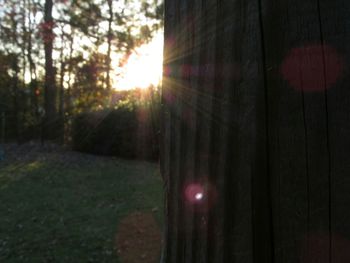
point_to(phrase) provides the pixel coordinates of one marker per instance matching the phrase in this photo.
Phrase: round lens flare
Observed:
(312, 68)
(194, 193)
(199, 196)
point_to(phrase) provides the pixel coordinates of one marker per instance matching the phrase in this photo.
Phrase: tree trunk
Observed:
(255, 131)
(16, 105)
(61, 108)
(109, 48)
(70, 72)
(50, 119)
(32, 67)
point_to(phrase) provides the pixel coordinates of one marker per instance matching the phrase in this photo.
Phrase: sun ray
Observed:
(143, 67)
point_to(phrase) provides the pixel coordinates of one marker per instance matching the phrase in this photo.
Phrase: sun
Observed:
(143, 68)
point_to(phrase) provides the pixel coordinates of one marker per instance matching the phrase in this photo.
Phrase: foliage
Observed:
(88, 92)
(130, 130)
(84, 34)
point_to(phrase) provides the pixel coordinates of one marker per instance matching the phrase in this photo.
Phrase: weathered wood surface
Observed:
(256, 112)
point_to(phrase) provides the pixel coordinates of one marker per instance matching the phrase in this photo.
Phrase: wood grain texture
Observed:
(258, 114)
(298, 138)
(335, 32)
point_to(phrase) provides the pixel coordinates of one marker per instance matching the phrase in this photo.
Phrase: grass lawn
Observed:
(83, 209)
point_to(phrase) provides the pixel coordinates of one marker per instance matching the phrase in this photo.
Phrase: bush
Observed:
(124, 132)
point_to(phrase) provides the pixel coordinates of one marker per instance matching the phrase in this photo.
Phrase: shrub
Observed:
(125, 132)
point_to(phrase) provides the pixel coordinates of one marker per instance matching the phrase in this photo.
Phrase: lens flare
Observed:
(194, 193)
(199, 196)
(312, 68)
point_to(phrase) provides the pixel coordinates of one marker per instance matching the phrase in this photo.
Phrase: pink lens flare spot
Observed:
(199, 196)
(312, 68)
(194, 193)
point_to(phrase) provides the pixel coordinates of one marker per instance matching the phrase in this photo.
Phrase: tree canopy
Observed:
(56, 55)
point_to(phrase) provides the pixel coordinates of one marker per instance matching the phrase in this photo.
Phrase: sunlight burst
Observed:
(143, 68)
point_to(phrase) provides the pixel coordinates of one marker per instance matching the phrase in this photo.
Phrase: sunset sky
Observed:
(143, 68)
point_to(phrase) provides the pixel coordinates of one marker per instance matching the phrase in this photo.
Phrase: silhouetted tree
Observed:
(50, 131)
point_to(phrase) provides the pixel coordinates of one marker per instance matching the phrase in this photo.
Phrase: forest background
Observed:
(58, 75)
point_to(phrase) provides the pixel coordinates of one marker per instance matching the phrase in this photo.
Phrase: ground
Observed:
(62, 206)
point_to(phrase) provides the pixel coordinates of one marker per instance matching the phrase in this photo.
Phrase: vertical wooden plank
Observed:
(169, 140)
(255, 113)
(189, 127)
(239, 84)
(334, 25)
(218, 147)
(244, 218)
(298, 129)
(187, 92)
(192, 63)
(225, 79)
(179, 87)
(263, 234)
(204, 116)
(317, 166)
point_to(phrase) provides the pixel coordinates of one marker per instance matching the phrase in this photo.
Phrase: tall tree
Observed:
(13, 39)
(90, 27)
(109, 44)
(15, 95)
(255, 131)
(34, 91)
(61, 93)
(50, 105)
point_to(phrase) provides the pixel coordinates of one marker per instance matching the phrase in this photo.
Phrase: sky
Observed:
(143, 68)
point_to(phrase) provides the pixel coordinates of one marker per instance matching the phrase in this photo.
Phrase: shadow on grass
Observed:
(71, 213)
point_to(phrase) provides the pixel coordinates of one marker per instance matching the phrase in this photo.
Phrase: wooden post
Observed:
(255, 134)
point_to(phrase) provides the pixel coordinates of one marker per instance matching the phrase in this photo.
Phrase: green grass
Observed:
(55, 213)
